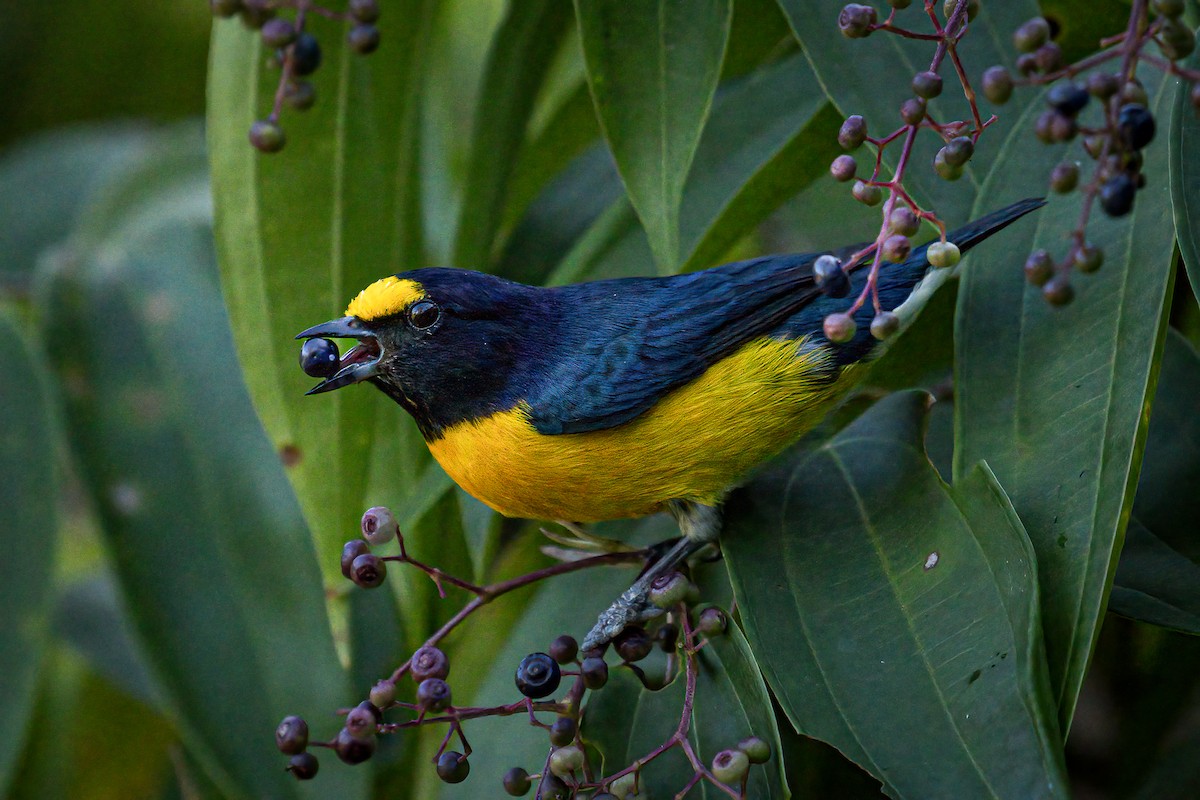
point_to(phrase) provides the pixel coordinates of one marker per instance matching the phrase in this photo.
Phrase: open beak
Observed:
(359, 362)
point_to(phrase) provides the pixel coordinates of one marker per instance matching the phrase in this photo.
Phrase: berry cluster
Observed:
(295, 51)
(1115, 140)
(902, 216)
(681, 632)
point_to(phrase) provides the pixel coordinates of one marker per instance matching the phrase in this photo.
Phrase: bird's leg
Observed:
(700, 526)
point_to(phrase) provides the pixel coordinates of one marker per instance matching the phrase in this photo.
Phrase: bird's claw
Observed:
(632, 607)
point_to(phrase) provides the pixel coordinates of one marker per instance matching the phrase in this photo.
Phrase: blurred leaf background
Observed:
(166, 554)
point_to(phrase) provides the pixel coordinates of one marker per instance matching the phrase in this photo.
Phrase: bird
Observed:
(623, 397)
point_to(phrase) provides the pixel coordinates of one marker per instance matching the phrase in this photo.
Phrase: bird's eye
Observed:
(424, 314)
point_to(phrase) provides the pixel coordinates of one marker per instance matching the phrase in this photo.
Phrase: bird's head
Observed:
(445, 344)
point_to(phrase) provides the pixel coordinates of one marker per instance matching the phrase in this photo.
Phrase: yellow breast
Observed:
(694, 444)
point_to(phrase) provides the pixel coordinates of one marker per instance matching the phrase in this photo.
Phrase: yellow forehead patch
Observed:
(385, 296)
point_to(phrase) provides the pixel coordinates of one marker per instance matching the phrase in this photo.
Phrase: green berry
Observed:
(1134, 92)
(429, 662)
(896, 248)
(1103, 85)
(756, 749)
(624, 786)
(303, 766)
(855, 20)
(256, 13)
(517, 783)
(843, 168)
(944, 168)
(453, 767)
(291, 736)
(713, 621)
(267, 137)
(1064, 177)
(364, 10)
(668, 590)
(368, 571)
(278, 33)
(553, 788)
(300, 95)
(1039, 267)
(943, 254)
(839, 328)
(1177, 40)
(997, 85)
(379, 525)
(566, 760)
(867, 194)
(1031, 35)
(383, 694)
(884, 325)
(927, 84)
(853, 132)
(595, 672)
(1088, 258)
(1168, 8)
(902, 220)
(730, 766)
(363, 39)
(1058, 291)
(959, 151)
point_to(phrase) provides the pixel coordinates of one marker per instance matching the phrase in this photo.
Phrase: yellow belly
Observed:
(694, 444)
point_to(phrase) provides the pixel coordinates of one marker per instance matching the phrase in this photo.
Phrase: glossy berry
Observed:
(383, 694)
(564, 649)
(224, 8)
(1117, 195)
(730, 766)
(896, 248)
(362, 719)
(943, 254)
(667, 636)
(829, 276)
(553, 788)
(291, 736)
(912, 111)
(368, 570)
(562, 731)
(350, 551)
(538, 676)
(1067, 98)
(927, 84)
(300, 95)
(843, 168)
(633, 644)
(1064, 177)
(884, 324)
(363, 39)
(595, 672)
(623, 786)
(1088, 258)
(1058, 291)
(566, 760)
(319, 358)
(866, 194)
(517, 783)
(378, 525)
(958, 151)
(267, 137)
(353, 750)
(1039, 267)
(944, 168)
(839, 328)
(997, 85)
(668, 590)
(303, 766)
(278, 33)
(1136, 125)
(306, 54)
(757, 750)
(712, 622)
(1031, 35)
(433, 694)
(855, 20)
(453, 767)
(902, 220)
(853, 132)
(364, 10)
(429, 662)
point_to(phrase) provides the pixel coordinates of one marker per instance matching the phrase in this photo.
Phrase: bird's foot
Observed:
(631, 608)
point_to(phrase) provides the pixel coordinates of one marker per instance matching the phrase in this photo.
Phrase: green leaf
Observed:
(28, 533)
(301, 232)
(1054, 398)
(653, 68)
(880, 602)
(1158, 576)
(1185, 176)
(206, 538)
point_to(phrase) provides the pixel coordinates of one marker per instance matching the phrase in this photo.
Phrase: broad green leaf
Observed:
(653, 68)
(28, 533)
(896, 617)
(625, 721)
(301, 232)
(1176, 776)
(1185, 177)
(521, 52)
(206, 539)
(1055, 398)
(1158, 576)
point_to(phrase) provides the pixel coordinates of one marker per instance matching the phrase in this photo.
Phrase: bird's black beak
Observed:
(359, 362)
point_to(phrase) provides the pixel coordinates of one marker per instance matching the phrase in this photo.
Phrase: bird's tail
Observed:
(976, 231)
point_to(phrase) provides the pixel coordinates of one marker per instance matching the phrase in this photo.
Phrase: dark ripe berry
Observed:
(368, 570)
(1136, 125)
(453, 767)
(944, 168)
(433, 694)
(353, 750)
(364, 10)
(362, 719)
(553, 788)
(633, 644)
(1027, 64)
(267, 137)
(562, 731)
(1134, 92)
(900, 4)
(829, 276)
(300, 95)
(291, 736)
(943, 254)
(1088, 258)
(667, 636)
(595, 672)
(1062, 127)
(884, 325)
(566, 760)
(853, 132)
(1067, 98)
(668, 590)
(378, 525)
(1103, 85)
(843, 168)
(1176, 39)
(927, 84)
(866, 194)
(896, 248)
(712, 622)
(306, 54)
(730, 766)
(1058, 291)
(538, 676)
(383, 694)
(856, 20)
(1064, 177)
(1049, 57)
(997, 85)
(839, 328)
(1117, 194)
(756, 749)
(1031, 35)
(1039, 267)
(959, 151)
(912, 111)
(278, 33)
(902, 220)
(303, 766)
(224, 8)
(256, 13)
(319, 358)
(564, 649)
(429, 662)
(350, 551)
(517, 783)
(363, 39)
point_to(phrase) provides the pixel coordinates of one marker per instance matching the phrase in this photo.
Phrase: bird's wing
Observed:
(631, 342)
